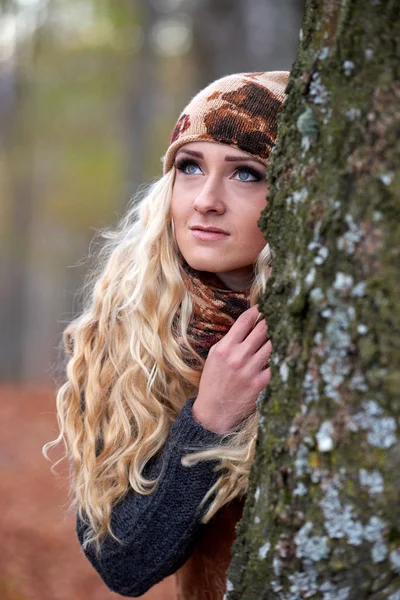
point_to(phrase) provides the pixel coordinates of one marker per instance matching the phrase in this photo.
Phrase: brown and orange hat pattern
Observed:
(240, 110)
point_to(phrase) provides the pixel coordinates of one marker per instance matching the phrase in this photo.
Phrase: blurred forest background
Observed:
(89, 93)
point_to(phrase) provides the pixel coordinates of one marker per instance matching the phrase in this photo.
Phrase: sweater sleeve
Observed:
(158, 530)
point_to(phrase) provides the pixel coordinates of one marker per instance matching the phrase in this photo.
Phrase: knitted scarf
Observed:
(215, 309)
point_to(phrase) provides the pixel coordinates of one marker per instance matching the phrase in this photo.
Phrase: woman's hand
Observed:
(234, 374)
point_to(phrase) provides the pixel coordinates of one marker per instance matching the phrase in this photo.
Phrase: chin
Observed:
(203, 265)
(212, 264)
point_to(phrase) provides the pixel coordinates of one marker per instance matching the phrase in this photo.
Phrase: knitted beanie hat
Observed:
(240, 110)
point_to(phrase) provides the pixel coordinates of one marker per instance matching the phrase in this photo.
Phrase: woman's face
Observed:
(218, 195)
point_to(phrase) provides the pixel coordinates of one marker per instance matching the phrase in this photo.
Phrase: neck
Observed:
(237, 280)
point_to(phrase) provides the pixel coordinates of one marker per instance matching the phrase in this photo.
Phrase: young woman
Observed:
(158, 412)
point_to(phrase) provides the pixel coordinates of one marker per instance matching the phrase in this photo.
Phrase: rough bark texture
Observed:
(322, 518)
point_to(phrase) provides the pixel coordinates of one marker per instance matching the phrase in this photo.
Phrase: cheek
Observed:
(180, 204)
(179, 215)
(177, 211)
(251, 234)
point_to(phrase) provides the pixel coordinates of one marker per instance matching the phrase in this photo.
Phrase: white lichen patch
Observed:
(301, 461)
(322, 252)
(332, 592)
(307, 124)
(373, 531)
(276, 359)
(348, 67)
(386, 178)
(322, 255)
(310, 387)
(377, 216)
(303, 584)
(372, 480)
(300, 489)
(297, 197)
(284, 372)
(359, 289)
(343, 283)
(350, 238)
(310, 277)
(314, 548)
(300, 195)
(357, 382)
(260, 400)
(353, 113)
(324, 435)
(394, 558)
(381, 430)
(318, 91)
(317, 296)
(263, 551)
(369, 53)
(336, 365)
(339, 521)
(305, 143)
(318, 475)
(324, 52)
(296, 292)
(277, 565)
(318, 337)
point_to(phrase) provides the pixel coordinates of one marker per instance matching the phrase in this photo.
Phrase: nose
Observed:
(210, 198)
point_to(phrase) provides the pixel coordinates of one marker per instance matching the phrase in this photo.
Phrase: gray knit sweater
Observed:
(158, 531)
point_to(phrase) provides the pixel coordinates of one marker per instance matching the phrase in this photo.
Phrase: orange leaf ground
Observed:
(40, 557)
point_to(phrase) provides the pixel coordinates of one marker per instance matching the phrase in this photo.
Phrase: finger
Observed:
(257, 337)
(263, 355)
(264, 378)
(243, 325)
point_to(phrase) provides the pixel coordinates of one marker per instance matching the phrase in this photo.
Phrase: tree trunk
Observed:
(322, 517)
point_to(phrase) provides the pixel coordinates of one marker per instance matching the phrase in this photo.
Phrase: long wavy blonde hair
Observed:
(126, 378)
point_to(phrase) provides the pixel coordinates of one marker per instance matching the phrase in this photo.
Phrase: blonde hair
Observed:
(126, 378)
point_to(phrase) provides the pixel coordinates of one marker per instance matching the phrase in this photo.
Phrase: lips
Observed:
(208, 234)
(208, 229)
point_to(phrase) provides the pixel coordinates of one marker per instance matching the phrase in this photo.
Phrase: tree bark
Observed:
(322, 517)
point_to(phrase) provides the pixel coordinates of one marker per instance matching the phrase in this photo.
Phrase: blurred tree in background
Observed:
(89, 93)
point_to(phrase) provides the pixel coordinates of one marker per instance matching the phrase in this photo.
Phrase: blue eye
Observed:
(248, 171)
(189, 167)
(183, 163)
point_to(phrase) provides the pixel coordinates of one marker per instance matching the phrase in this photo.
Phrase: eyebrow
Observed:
(227, 158)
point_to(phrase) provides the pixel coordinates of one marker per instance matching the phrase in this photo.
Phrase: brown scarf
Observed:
(215, 308)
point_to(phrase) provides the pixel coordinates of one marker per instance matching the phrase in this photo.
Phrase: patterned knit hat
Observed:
(240, 110)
